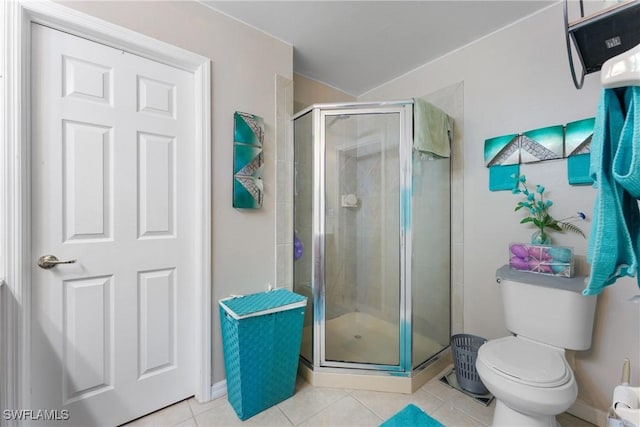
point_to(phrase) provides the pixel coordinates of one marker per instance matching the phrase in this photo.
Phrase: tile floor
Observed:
(319, 406)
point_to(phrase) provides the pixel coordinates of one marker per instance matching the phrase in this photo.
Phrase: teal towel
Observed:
(431, 129)
(626, 163)
(412, 416)
(613, 248)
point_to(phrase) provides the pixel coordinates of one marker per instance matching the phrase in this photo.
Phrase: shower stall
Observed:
(372, 235)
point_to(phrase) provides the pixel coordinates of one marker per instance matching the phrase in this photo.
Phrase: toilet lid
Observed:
(526, 362)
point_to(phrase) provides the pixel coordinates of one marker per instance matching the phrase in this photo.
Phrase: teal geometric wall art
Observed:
(248, 129)
(578, 136)
(542, 144)
(248, 161)
(572, 141)
(501, 177)
(247, 192)
(578, 169)
(577, 146)
(502, 150)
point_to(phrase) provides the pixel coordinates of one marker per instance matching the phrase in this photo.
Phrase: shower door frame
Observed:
(320, 113)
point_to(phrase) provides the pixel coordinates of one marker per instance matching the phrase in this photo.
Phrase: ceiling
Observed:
(356, 46)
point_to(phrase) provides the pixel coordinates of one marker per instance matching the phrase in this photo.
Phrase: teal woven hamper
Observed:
(261, 335)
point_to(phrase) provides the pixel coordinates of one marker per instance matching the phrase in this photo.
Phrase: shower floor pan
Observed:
(362, 338)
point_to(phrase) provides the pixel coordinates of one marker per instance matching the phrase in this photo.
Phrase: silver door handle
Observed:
(50, 261)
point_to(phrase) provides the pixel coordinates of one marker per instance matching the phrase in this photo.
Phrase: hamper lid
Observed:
(526, 362)
(262, 303)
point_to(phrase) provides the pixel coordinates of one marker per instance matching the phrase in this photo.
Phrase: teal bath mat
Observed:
(411, 415)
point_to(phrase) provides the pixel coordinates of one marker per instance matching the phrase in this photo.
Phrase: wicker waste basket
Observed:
(261, 335)
(465, 352)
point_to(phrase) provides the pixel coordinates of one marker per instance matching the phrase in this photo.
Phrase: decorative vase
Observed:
(540, 238)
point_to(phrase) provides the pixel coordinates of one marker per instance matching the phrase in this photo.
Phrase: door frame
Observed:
(17, 16)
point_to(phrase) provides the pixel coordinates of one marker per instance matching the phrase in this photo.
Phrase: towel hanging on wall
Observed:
(614, 242)
(431, 129)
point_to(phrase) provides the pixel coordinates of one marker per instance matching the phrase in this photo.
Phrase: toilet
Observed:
(528, 372)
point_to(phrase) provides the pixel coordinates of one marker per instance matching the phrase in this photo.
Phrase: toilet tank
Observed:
(548, 309)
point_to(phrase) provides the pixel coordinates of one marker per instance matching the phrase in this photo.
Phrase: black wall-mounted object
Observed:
(602, 36)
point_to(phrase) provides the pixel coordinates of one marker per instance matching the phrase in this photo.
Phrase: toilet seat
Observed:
(526, 362)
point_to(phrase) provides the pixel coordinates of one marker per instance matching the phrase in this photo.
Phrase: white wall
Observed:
(245, 65)
(308, 91)
(515, 80)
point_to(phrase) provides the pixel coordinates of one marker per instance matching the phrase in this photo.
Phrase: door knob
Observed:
(50, 261)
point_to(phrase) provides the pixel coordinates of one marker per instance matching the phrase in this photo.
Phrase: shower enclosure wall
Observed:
(372, 237)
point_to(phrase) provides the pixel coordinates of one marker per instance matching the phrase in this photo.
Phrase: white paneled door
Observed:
(113, 158)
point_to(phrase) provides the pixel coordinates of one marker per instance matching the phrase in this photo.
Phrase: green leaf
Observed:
(572, 228)
(527, 219)
(554, 226)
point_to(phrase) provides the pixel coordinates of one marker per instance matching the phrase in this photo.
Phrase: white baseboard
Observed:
(588, 413)
(219, 389)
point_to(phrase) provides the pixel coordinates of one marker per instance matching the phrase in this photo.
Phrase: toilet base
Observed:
(504, 416)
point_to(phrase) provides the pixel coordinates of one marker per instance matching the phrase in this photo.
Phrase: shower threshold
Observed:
(359, 379)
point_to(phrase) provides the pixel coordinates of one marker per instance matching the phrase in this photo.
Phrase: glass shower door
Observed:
(303, 225)
(362, 254)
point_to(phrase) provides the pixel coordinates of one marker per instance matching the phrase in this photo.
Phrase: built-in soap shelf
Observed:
(349, 201)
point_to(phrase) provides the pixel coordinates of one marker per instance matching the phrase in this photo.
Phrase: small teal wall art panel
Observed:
(502, 150)
(542, 144)
(501, 177)
(577, 146)
(248, 160)
(248, 129)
